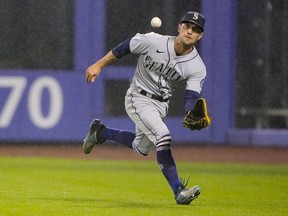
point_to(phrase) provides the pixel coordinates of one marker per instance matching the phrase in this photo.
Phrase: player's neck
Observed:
(182, 49)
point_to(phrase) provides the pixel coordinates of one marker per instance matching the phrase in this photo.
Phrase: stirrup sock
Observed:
(168, 168)
(120, 136)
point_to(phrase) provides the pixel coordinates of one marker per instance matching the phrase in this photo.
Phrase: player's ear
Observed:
(201, 35)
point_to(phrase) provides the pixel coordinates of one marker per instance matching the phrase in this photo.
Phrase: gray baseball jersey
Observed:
(159, 72)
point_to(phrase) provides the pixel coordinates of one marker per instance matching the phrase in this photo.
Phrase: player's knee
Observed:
(144, 154)
(164, 143)
(144, 151)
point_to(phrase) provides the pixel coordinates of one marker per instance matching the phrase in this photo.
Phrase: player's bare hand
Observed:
(92, 72)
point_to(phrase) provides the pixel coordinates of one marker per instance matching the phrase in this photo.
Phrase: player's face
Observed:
(189, 33)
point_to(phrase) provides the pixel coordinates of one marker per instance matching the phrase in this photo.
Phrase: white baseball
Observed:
(156, 22)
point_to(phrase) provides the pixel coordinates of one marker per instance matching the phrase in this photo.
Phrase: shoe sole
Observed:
(88, 146)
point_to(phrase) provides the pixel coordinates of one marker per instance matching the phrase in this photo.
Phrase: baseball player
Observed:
(164, 63)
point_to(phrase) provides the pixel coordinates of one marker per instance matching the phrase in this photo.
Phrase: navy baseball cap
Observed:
(194, 17)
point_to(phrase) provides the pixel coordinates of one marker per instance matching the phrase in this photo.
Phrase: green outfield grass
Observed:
(47, 186)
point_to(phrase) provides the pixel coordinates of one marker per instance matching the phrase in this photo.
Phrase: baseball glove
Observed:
(197, 118)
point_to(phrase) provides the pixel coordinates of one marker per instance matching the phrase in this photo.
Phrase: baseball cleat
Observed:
(184, 196)
(187, 195)
(93, 136)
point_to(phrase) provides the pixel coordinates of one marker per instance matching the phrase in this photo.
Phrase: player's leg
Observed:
(137, 141)
(168, 167)
(99, 133)
(123, 137)
(148, 116)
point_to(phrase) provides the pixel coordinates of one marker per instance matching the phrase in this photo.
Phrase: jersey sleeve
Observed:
(196, 80)
(122, 49)
(140, 43)
(190, 100)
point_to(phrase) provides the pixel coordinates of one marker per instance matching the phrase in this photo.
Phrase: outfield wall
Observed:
(47, 105)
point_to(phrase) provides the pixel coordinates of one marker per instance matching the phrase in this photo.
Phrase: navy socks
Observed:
(164, 157)
(123, 137)
(168, 168)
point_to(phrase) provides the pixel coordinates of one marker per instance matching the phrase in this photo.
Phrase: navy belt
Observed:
(155, 97)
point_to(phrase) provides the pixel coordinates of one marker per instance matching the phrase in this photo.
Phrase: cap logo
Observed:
(195, 17)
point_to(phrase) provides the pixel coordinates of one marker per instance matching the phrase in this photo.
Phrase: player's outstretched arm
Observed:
(94, 70)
